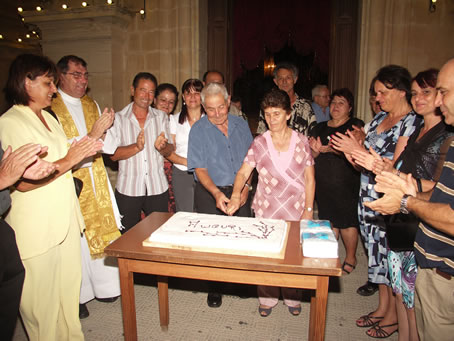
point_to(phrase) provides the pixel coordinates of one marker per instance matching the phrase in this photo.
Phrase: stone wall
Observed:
(170, 41)
(401, 32)
(117, 42)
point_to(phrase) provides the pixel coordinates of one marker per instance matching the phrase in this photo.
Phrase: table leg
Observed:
(128, 304)
(318, 310)
(163, 298)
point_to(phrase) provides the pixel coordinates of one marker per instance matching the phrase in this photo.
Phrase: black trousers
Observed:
(205, 203)
(131, 207)
(12, 274)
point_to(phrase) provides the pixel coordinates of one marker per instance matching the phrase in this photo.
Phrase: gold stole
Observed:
(101, 228)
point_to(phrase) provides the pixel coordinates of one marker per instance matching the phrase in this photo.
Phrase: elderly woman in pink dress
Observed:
(286, 184)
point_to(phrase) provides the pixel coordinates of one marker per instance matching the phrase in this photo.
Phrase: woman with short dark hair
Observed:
(166, 98)
(420, 158)
(388, 134)
(45, 214)
(286, 183)
(337, 190)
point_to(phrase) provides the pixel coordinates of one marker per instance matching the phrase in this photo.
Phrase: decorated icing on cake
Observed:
(317, 239)
(222, 234)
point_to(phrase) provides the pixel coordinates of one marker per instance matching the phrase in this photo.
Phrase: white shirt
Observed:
(181, 132)
(143, 173)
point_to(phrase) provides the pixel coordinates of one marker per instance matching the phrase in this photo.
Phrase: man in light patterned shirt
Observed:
(303, 118)
(141, 183)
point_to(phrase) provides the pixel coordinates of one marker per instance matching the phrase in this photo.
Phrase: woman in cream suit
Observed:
(45, 214)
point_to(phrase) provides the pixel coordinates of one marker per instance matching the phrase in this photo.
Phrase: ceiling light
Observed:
(38, 8)
(64, 6)
(20, 9)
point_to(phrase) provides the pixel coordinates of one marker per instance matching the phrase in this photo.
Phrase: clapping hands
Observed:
(103, 123)
(372, 161)
(393, 188)
(24, 162)
(82, 149)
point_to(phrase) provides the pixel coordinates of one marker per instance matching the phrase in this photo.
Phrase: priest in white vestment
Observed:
(80, 116)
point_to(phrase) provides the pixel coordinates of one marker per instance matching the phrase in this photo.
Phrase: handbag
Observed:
(401, 231)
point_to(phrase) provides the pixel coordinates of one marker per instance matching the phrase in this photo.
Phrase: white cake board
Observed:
(247, 251)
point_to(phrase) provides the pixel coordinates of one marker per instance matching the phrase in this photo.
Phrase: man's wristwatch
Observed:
(249, 187)
(403, 204)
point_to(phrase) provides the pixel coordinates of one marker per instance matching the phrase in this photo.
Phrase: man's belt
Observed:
(443, 274)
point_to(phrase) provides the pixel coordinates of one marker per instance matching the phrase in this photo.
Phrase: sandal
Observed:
(344, 269)
(295, 311)
(380, 333)
(265, 312)
(366, 321)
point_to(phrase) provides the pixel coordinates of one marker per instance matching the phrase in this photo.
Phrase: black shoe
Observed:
(367, 289)
(83, 311)
(107, 299)
(214, 300)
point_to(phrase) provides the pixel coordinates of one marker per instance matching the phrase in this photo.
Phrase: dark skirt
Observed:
(337, 190)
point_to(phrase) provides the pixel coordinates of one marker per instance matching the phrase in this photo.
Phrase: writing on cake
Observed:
(222, 234)
(262, 231)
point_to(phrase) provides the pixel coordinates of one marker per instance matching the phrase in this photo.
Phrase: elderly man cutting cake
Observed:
(218, 143)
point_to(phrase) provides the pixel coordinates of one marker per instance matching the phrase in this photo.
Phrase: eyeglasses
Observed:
(77, 75)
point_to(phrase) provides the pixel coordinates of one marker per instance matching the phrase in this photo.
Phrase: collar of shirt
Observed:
(232, 124)
(129, 114)
(68, 98)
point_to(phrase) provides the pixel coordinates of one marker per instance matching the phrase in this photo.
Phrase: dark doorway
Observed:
(319, 37)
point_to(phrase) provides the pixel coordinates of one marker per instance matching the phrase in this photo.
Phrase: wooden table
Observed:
(294, 271)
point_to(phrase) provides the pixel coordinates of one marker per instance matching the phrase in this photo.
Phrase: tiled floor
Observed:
(236, 319)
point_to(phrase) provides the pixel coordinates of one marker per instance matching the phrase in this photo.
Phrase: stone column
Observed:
(117, 42)
(401, 32)
(170, 42)
(96, 34)
(383, 40)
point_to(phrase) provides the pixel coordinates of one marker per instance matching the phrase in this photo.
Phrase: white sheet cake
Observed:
(318, 239)
(222, 234)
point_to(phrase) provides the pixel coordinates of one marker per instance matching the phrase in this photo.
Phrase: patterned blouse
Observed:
(303, 118)
(281, 189)
(384, 144)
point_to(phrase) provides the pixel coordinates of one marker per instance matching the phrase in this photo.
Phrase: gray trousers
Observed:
(183, 188)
